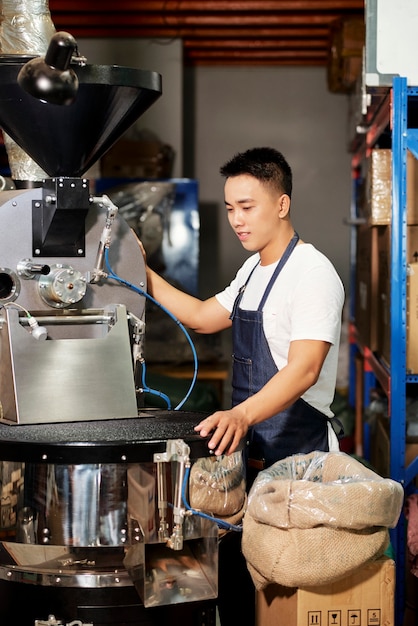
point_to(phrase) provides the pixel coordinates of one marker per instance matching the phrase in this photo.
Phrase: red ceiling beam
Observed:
(265, 44)
(185, 6)
(267, 33)
(265, 54)
(166, 21)
(251, 62)
(256, 29)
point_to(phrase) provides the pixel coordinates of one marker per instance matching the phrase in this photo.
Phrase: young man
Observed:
(285, 307)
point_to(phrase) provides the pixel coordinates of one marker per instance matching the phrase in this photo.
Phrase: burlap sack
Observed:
(217, 485)
(313, 519)
(234, 519)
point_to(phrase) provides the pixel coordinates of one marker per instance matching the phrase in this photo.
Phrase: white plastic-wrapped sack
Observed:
(313, 519)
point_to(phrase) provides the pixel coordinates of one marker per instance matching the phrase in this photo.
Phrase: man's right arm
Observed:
(202, 316)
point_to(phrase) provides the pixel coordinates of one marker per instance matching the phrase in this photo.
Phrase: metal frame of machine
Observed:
(78, 453)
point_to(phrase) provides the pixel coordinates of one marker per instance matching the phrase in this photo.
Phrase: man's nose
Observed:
(237, 218)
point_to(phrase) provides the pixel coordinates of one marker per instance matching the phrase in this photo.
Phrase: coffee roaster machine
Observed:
(93, 526)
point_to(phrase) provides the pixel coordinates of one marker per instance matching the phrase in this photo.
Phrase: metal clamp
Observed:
(177, 450)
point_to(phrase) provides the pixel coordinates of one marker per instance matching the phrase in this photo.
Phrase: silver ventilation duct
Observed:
(26, 29)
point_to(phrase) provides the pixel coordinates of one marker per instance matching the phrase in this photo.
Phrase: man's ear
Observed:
(284, 205)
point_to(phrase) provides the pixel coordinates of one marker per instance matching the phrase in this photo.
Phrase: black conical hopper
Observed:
(67, 140)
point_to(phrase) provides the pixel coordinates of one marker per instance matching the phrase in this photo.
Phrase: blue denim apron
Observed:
(299, 429)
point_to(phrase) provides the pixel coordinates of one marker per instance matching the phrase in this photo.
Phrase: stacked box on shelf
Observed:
(412, 319)
(383, 295)
(345, 54)
(380, 447)
(378, 194)
(378, 188)
(374, 207)
(148, 159)
(378, 213)
(366, 286)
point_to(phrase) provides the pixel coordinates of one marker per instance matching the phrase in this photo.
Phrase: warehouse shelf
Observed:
(376, 123)
(372, 363)
(398, 112)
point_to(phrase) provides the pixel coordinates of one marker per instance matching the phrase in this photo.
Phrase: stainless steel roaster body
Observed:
(86, 531)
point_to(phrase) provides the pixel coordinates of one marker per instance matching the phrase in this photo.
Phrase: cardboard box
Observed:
(412, 319)
(345, 54)
(365, 598)
(380, 447)
(378, 193)
(383, 293)
(383, 318)
(137, 159)
(366, 285)
(378, 196)
(412, 244)
(412, 188)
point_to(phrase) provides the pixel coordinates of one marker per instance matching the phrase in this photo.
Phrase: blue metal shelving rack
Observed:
(395, 380)
(403, 138)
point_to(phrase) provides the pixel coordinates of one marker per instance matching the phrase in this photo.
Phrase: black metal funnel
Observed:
(67, 140)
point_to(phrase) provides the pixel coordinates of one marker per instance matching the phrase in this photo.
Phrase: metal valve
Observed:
(28, 269)
(63, 286)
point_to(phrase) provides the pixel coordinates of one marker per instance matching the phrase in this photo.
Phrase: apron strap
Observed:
(240, 293)
(289, 249)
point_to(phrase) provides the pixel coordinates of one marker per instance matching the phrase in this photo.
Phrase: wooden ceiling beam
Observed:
(215, 32)
(265, 54)
(218, 34)
(144, 23)
(251, 62)
(193, 37)
(248, 44)
(261, 33)
(201, 6)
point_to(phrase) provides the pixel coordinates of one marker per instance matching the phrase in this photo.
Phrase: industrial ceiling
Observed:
(216, 32)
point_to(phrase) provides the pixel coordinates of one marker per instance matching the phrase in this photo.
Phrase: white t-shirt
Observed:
(305, 302)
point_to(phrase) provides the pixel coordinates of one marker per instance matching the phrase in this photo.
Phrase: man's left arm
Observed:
(229, 427)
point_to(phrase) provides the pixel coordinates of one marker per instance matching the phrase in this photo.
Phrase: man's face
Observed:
(253, 212)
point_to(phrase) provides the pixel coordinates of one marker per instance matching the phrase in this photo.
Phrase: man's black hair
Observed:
(266, 164)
